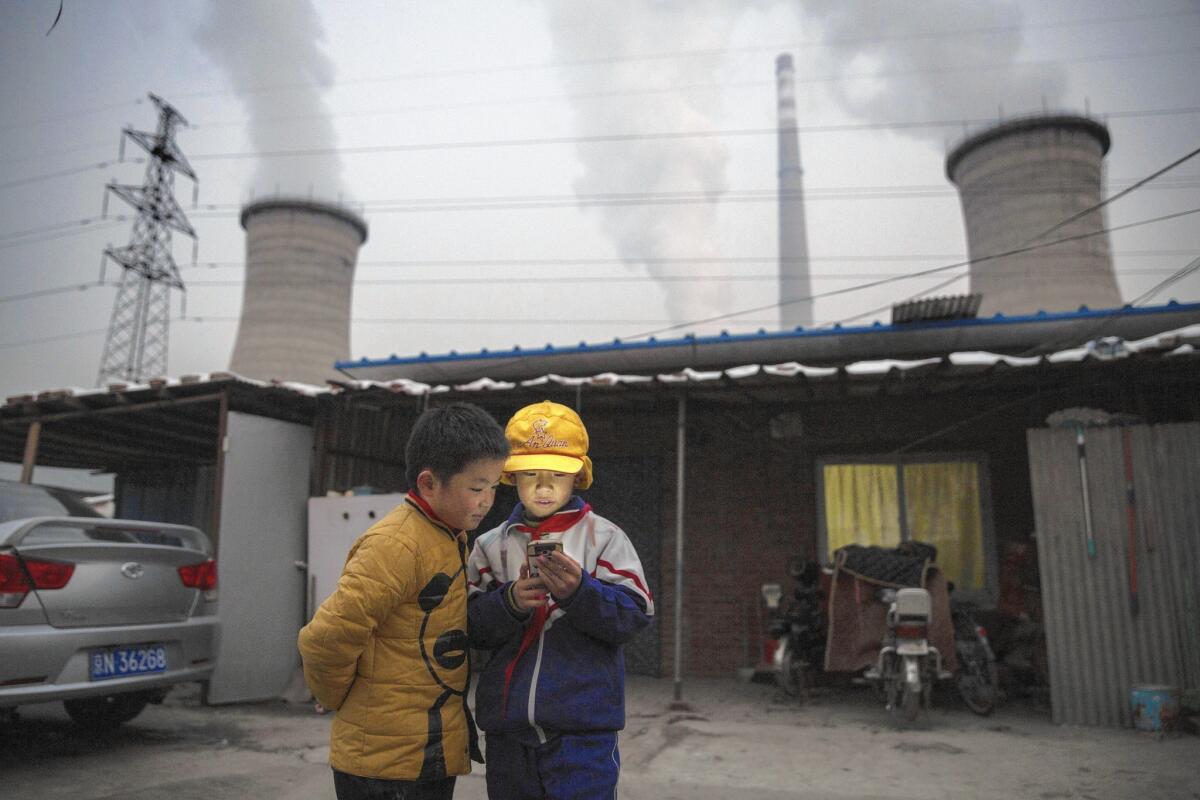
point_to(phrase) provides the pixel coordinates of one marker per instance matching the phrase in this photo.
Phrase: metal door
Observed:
(261, 591)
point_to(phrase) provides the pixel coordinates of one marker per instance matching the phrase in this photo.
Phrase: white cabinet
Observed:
(334, 524)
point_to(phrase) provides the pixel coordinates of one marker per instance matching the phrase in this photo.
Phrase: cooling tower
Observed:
(1016, 181)
(794, 281)
(300, 258)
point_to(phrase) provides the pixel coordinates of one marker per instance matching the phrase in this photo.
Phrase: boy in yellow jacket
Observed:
(388, 649)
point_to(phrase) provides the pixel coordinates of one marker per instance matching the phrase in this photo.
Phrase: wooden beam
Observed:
(118, 409)
(171, 434)
(31, 449)
(97, 452)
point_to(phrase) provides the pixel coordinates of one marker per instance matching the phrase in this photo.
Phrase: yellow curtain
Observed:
(942, 505)
(861, 505)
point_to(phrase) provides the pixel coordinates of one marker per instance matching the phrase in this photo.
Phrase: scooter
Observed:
(908, 665)
(799, 630)
(977, 679)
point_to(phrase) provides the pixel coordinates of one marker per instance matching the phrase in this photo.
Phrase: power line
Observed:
(600, 138)
(882, 192)
(565, 261)
(595, 279)
(710, 52)
(1053, 344)
(701, 53)
(1118, 195)
(55, 153)
(518, 202)
(62, 234)
(575, 279)
(1029, 242)
(87, 112)
(204, 318)
(66, 172)
(608, 138)
(711, 86)
(1190, 269)
(683, 88)
(1095, 207)
(56, 338)
(934, 270)
(78, 287)
(880, 309)
(75, 223)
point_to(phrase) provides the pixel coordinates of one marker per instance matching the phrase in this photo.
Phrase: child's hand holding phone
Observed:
(527, 593)
(558, 572)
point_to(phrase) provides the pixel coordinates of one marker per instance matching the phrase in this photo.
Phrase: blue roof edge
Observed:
(799, 333)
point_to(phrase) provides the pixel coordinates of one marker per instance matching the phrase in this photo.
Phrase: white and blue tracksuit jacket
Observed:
(559, 670)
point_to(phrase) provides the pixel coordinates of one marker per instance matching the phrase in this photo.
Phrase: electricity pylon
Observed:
(136, 346)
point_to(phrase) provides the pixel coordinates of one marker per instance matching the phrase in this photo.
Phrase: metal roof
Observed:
(177, 420)
(160, 421)
(1178, 343)
(1027, 335)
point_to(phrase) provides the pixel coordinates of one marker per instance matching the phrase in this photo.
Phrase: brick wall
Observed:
(749, 510)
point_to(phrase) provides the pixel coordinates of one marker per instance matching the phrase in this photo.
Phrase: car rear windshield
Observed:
(22, 500)
(66, 533)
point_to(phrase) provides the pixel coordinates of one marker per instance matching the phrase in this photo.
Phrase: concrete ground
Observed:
(734, 740)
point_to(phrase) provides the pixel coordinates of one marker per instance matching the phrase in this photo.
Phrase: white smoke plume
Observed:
(260, 48)
(918, 61)
(917, 77)
(618, 28)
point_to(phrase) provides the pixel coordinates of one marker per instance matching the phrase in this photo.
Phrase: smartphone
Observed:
(540, 548)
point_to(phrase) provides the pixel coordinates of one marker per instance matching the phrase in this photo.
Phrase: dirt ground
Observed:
(734, 740)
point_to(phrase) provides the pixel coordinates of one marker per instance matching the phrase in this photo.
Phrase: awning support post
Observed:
(31, 448)
(680, 462)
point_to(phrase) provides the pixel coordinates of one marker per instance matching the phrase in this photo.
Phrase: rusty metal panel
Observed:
(1098, 647)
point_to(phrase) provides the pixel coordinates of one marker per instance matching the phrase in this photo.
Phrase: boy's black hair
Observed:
(448, 438)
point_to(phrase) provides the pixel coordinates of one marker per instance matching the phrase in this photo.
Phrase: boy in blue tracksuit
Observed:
(551, 698)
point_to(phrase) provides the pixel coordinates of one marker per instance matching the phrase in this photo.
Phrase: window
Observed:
(938, 500)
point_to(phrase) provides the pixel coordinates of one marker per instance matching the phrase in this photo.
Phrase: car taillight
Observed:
(910, 631)
(201, 576)
(15, 581)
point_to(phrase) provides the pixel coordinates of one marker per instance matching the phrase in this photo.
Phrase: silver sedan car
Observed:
(102, 614)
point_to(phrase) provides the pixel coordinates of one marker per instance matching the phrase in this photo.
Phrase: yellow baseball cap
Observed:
(548, 436)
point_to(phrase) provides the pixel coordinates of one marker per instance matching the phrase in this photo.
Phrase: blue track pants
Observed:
(569, 767)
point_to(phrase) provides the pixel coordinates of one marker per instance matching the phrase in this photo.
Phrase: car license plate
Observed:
(122, 661)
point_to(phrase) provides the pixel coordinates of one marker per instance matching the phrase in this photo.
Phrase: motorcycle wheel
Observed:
(979, 685)
(791, 675)
(904, 705)
(904, 701)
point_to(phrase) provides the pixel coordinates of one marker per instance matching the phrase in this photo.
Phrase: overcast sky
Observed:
(514, 85)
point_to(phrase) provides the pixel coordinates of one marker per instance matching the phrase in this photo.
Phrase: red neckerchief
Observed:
(555, 523)
(423, 506)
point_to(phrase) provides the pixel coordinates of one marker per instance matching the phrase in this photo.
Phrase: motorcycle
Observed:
(977, 679)
(908, 665)
(798, 631)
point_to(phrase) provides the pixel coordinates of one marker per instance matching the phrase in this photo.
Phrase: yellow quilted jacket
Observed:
(388, 651)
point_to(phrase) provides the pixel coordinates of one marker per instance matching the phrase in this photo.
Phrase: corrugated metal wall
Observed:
(1098, 648)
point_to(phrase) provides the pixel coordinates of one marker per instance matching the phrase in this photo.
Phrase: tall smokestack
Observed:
(1017, 180)
(794, 281)
(300, 259)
